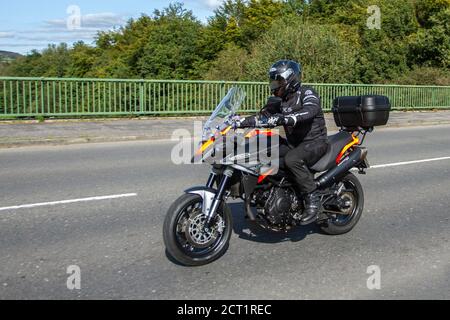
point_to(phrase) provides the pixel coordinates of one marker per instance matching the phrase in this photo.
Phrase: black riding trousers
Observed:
(299, 159)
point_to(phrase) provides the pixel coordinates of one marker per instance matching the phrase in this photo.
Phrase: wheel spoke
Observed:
(332, 212)
(191, 237)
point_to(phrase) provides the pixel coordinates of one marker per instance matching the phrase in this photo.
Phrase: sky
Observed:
(27, 25)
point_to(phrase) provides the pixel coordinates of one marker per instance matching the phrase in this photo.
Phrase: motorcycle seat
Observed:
(337, 144)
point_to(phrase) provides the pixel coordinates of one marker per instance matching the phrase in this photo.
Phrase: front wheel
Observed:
(185, 238)
(345, 218)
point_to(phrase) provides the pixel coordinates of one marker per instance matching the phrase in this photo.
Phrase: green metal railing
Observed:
(31, 97)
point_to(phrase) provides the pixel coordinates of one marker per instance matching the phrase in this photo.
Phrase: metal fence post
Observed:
(141, 96)
(169, 97)
(42, 82)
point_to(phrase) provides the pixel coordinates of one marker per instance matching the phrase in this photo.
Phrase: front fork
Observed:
(211, 180)
(211, 208)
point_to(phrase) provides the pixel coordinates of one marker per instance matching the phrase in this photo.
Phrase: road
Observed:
(117, 243)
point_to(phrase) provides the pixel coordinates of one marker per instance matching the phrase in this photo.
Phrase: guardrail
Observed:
(52, 97)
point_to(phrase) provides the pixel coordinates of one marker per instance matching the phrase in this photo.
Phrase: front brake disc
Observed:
(197, 236)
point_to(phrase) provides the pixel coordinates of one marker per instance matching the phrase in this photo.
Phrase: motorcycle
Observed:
(198, 226)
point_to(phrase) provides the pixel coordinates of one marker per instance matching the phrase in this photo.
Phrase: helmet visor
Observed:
(275, 85)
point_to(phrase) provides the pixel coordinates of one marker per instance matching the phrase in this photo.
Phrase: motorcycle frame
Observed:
(355, 157)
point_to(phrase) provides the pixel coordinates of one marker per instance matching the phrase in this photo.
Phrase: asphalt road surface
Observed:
(117, 243)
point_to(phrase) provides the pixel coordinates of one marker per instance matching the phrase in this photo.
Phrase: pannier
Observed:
(361, 111)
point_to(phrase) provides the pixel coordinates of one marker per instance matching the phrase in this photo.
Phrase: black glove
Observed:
(276, 120)
(249, 122)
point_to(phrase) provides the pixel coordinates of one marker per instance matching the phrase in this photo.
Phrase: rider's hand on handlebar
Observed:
(274, 121)
(238, 123)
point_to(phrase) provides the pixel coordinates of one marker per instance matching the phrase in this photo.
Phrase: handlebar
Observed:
(264, 126)
(261, 123)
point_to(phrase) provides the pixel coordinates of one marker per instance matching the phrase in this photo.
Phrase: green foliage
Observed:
(229, 65)
(258, 18)
(385, 54)
(430, 46)
(244, 37)
(3, 68)
(239, 22)
(425, 76)
(427, 9)
(325, 56)
(52, 62)
(120, 50)
(82, 59)
(384, 51)
(171, 48)
(226, 22)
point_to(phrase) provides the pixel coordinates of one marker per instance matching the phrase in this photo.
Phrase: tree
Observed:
(431, 45)
(229, 65)
(295, 7)
(4, 65)
(54, 61)
(244, 37)
(324, 55)
(426, 9)
(425, 76)
(121, 49)
(83, 59)
(258, 18)
(171, 48)
(241, 22)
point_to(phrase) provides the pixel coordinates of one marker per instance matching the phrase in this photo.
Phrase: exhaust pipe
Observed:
(349, 162)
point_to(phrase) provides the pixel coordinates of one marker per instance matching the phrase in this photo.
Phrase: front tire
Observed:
(346, 222)
(183, 235)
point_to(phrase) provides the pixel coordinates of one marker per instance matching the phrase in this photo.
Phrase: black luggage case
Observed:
(361, 111)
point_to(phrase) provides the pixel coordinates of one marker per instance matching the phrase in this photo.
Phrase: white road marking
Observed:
(128, 195)
(408, 163)
(26, 206)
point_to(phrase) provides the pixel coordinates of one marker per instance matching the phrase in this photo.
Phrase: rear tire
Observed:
(339, 226)
(184, 250)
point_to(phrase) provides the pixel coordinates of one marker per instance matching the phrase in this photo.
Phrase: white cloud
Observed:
(103, 20)
(69, 36)
(213, 4)
(4, 35)
(56, 31)
(21, 45)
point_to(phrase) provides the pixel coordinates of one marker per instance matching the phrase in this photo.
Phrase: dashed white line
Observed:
(128, 195)
(408, 163)
(26, 206)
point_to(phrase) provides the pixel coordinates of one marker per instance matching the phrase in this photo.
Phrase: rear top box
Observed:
(361, 111)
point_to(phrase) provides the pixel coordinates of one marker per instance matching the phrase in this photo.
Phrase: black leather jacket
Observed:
(307, 120)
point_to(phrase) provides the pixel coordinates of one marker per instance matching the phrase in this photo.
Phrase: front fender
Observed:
(207, 194)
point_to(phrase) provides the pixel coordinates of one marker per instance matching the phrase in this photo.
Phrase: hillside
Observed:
(7, 55)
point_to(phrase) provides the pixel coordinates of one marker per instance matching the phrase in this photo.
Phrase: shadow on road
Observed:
(172, 259)
(245, 230)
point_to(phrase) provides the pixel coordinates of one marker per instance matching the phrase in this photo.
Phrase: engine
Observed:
(278, 206)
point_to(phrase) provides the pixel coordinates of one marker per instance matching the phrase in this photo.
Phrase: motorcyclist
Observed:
(299, 110)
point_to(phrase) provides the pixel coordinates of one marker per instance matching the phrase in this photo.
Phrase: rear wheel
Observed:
(185, 238)
(345, 218)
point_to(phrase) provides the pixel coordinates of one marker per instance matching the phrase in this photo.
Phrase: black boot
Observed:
(312, 208)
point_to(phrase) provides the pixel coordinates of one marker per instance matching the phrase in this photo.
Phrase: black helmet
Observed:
(287, 75)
